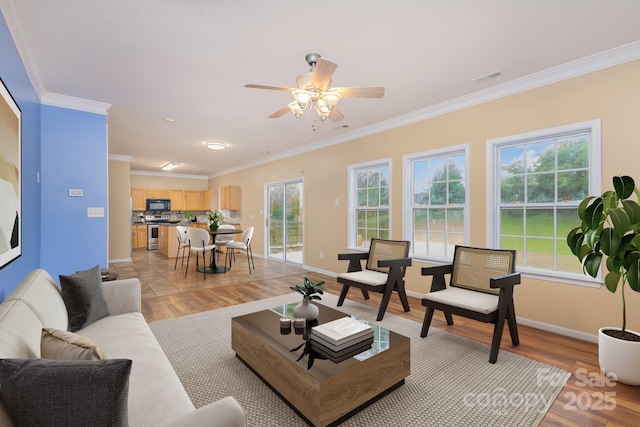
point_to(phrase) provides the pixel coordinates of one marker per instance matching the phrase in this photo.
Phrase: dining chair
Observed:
(243, 245)
(223, 239)
(183, 243)
(199, 243)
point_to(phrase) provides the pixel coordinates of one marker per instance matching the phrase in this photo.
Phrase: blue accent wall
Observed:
(15, 77)
(74, 156)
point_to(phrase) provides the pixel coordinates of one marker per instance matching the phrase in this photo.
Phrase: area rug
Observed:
(451, 382)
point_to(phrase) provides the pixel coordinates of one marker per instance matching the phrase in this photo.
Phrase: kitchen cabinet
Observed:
(177, 200)
(195, 200)
(168, 240)
(230, 198)
(138, 199)
(139, 237)
(157, 194)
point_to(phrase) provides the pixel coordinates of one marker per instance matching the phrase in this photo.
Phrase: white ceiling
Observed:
(189, 60)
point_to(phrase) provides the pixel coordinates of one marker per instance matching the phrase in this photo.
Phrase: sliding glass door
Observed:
(285, 221)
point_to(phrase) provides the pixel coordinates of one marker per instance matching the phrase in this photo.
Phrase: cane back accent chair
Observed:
(387, 261)
(480, 288)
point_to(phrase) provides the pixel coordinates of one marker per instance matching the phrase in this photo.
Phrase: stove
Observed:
(152, 229)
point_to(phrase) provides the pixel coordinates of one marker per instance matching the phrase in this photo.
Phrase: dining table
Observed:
(213, 267)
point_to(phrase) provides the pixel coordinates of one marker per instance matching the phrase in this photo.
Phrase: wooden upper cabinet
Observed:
(157, 194)
(177, 200)
(193, 200)
(138, 199)
(230, 198)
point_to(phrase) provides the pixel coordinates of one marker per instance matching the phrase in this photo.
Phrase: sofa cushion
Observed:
(65, 345)
(40, 392)
(84, 298)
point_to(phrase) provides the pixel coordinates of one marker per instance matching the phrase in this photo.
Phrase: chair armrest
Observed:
(123, 296)
(437, 271)
(505, 281)
(354, 259)
(225, 412)
(394, 262)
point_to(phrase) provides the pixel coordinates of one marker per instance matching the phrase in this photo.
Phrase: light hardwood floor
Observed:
(166, 293)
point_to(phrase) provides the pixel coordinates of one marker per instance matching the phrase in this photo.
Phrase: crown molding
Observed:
(609, 58)
(120, 158)
(168, 175)
(80, 104)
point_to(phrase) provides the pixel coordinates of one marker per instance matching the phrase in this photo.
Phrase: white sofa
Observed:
(156, 396)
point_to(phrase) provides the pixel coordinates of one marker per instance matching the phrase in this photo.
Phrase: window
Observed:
(435, 201)
(538, 181)
(369, 200)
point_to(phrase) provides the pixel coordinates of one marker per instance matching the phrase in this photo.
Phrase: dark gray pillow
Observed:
(84, 298)
(41, 392)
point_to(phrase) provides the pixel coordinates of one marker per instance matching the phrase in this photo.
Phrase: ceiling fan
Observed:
(313, 91)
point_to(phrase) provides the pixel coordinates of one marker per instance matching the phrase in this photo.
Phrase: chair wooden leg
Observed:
(449, 318)
(365, 293)
(513, 327)
(403, 297)
(497, 337)
(343, 294)
(386, 296)
(428, 315)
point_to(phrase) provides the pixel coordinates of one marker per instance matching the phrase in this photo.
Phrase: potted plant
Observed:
(310, 291)
(216, 218)
(611, 226)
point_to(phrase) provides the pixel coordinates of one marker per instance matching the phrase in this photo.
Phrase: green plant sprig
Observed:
(309, 289)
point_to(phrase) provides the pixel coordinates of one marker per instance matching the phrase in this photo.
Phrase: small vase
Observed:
(213, 227)
(306, 310)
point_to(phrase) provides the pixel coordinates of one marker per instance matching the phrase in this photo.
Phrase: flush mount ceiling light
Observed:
(216, 145)
(314, 94)
(171, 166)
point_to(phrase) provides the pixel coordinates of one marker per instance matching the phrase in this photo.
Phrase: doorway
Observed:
(285, 240)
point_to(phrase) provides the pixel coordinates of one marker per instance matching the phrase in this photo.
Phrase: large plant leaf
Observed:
(610, 242)
(591, 238)
(633, 275)
(593, 213)
(624, 186)
(582, 207)
(632, 208)
(591, 263)
(574, 240)
(620, 221)
(614, 264)
(611, 281)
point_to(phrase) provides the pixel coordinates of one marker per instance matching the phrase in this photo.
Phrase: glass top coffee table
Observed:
(327, 393)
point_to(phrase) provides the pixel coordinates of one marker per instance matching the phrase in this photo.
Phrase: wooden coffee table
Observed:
(328, 393)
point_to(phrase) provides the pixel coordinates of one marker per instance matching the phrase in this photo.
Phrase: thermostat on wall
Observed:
(75, 192)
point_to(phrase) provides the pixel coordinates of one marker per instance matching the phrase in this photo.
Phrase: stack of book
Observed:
(341, 339)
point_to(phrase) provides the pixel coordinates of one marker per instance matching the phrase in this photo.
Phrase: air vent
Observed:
(487, 76)
(342, 127)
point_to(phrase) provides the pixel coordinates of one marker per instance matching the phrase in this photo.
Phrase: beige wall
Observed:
(119, 211)
(168, 183)
(612, 95)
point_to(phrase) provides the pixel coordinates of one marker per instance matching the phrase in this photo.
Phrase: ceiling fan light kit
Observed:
(314, 93)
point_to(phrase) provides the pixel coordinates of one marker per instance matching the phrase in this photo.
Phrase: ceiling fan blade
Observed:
(285, 89)
(335, 115)
(359, 92)
(280, 112)
(321, 78)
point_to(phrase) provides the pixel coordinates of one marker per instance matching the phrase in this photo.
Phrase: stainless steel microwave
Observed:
(159, 205)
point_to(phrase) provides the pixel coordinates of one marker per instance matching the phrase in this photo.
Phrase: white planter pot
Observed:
(306, 310)
(619, 357)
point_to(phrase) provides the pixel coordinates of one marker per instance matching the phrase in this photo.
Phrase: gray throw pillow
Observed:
(41, 392)
(84, 298)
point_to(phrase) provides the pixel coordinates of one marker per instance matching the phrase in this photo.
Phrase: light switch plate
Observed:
(95, 212)
(76, 192)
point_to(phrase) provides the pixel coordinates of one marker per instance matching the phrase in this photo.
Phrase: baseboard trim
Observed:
(113, 261)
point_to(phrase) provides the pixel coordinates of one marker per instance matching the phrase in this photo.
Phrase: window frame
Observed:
(594, 128)
(407, 187)
(352, 222)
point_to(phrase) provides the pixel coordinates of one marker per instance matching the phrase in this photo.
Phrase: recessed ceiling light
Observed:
(171, 166)
(216, 145)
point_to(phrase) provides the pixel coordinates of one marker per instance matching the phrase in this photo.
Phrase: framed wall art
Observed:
(10, 178)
